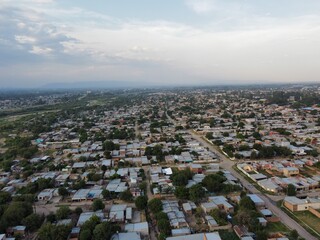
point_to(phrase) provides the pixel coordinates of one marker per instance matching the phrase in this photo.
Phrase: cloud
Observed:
(48, 42)
(41, 50)
(201, 6)
(27, 36)
(22, 39)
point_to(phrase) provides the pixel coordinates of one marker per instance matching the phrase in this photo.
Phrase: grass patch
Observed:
(226, 235)
(277, 227)
(310, 219)
(303, 220)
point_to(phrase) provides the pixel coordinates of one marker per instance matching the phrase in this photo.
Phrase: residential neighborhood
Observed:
(176, 164)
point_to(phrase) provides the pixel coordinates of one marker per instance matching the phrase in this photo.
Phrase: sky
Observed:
(167, 42)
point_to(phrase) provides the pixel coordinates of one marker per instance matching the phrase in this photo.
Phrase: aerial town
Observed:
(161, 164)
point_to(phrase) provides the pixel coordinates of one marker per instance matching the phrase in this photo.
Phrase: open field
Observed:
(310, 219)
(277, 227)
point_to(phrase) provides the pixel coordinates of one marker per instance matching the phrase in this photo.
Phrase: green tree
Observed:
(181, 192)
(33, 221)
(49, 231)
(103, 231)
(106, 194)
(293, 235)
(14, 214)
(63, 212)
(126, 196)
(141, 202)
(78, 210)
(261, 235)
(5, 197)
(161, 215)
(213, 182)
(291, 190)
(97, 205)
(247, 203)
(155, 205)
(85, 234)
(164, 226)
(196, 193)
(63, 191)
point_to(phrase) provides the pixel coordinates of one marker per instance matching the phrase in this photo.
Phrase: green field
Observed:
(309, 219)
(277, 227)
(226, 235)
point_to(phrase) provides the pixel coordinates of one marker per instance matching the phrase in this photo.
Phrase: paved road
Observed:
(227, 164)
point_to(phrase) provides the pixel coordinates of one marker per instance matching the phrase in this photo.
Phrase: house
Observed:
(208, 206)
(180, 232)
(242, 232)
(141, 227)
(126, 236)
(118, 213)
(222, 203)
(46, 194)
(198, 236)
(269, 185)
(211, 222)
(187, 208)
(75, 233)
(295, 204)
(257, 200)
(290, 171)
(196, 168)
(19, 230)
(87, 215)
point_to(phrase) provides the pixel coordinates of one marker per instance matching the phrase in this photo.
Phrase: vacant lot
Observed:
(310, 219)
(277, 227)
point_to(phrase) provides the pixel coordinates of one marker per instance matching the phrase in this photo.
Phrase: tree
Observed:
(141, 202)
(108, 146)
(293, 235)
(49, 231)
(97, 205)
(85, 234)
(103, 231)
(219, 216)
(247, 203)
(291, 190)
(5, 197)
(91, 223)
(14, 214)
(51, 217)
(33, 221)
(161, 215)
(63, 191)
(180, 178)
(181, 192)
(63, 212)
(196, 193)
(261, 235)
(155, 205)
(164, 226)
(213, 182)
(126, 196)
(143, 186)
(78, 210)
(106, 194)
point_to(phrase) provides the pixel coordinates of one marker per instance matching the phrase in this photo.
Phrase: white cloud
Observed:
(41, 50)
(24, 39)
(201, 6)
(251, 48)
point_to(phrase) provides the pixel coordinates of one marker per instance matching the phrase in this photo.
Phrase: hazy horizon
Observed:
(165, 43)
